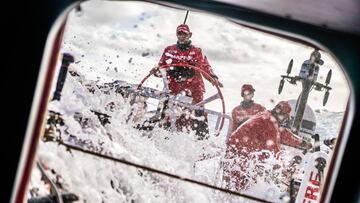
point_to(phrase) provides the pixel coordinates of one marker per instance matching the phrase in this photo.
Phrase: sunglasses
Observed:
(246, 93)
(181, 33)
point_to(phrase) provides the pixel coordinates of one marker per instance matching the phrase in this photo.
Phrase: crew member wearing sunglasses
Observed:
(185, 80)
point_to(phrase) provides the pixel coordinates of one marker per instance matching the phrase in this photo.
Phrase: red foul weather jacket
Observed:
(192, 56)
(241, 113)
(260, 132)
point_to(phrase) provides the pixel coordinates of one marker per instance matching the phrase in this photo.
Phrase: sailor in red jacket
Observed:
(184, 79)
(256, 140)
(247, 107)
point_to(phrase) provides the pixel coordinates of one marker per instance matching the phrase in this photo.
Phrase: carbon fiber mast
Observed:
(187, 13)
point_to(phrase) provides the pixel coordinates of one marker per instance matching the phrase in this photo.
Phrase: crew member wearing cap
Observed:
(247, 107)
(184, 79)
(256, 141)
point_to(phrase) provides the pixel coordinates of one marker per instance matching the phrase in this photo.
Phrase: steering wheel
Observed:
(219, 93)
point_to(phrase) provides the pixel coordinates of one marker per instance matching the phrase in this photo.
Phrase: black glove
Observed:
(217, 80)
(220, 84)
(156, 71)
(306, 145)
(157, 74)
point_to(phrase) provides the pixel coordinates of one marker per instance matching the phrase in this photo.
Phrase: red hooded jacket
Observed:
(261, 132)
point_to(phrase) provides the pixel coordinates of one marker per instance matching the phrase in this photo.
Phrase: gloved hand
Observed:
(220, 84)
(215, 77)
(155, 70)
(306, 145)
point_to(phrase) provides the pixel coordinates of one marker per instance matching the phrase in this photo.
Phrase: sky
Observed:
(111, 44)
